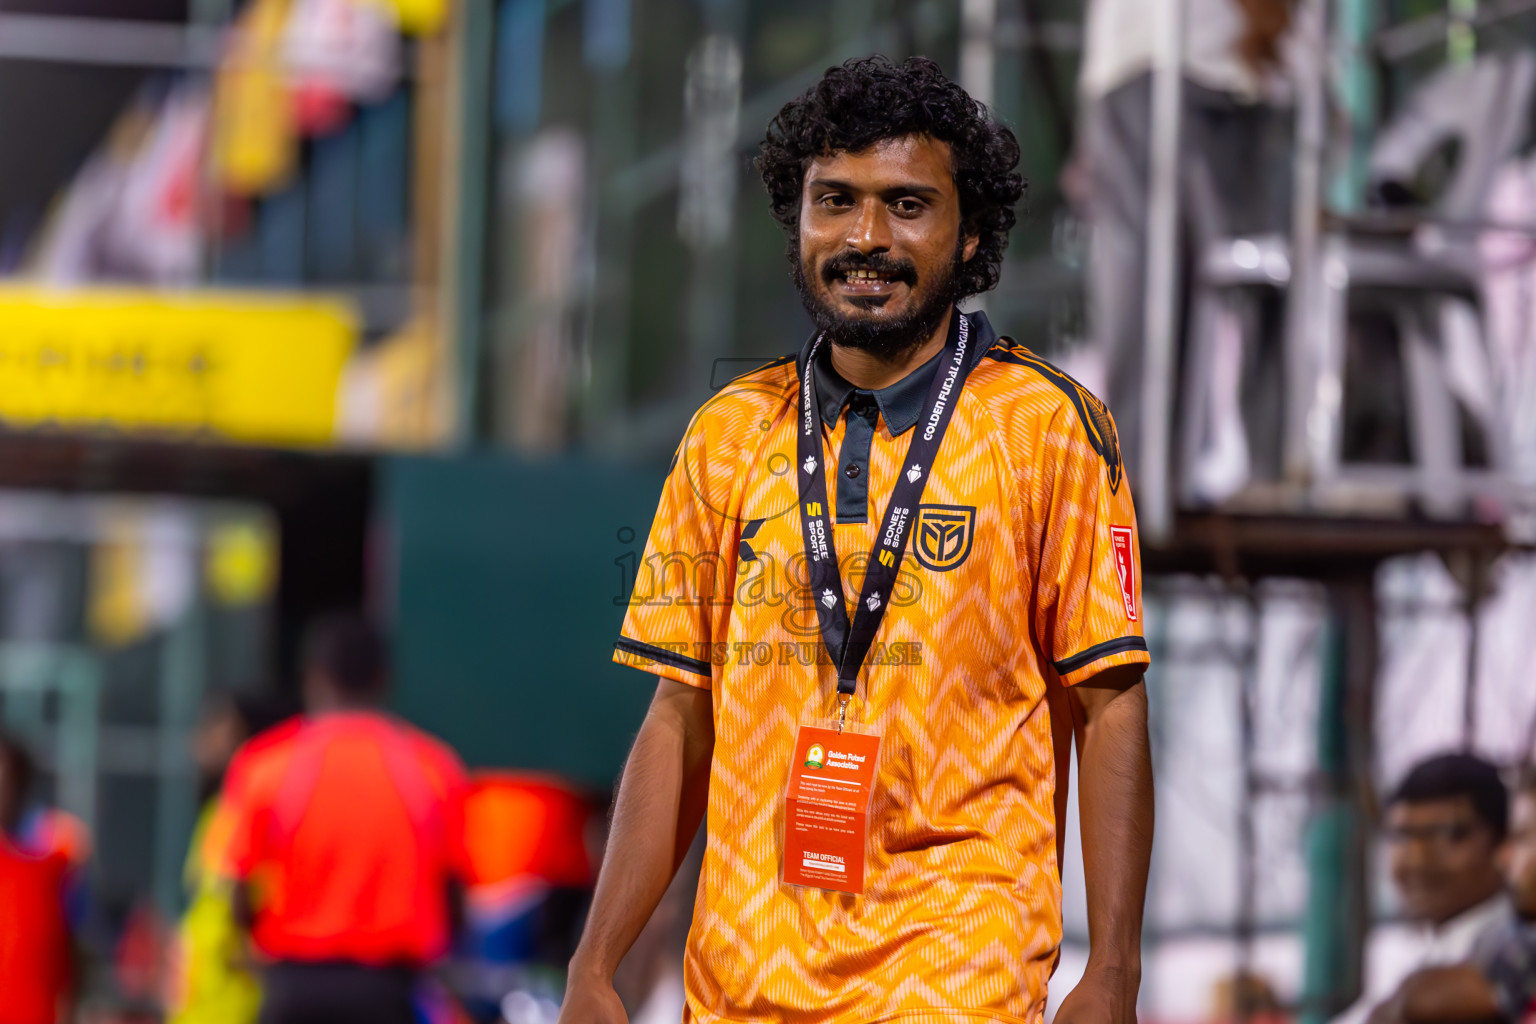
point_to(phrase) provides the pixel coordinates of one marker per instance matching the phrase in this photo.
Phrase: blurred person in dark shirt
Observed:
(532, 841)
(1499, 982)
(42, 853)
(347, 837)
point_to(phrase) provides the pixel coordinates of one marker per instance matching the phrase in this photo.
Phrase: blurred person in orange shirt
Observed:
(42, 854)
(346, 835)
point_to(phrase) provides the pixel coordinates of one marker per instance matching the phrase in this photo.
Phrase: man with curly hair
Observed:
(891, 579)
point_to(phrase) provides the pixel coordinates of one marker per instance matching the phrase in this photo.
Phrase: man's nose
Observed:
(870, 230)
(1413, 852)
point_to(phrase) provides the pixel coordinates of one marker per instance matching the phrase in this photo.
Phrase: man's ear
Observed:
(972, 242)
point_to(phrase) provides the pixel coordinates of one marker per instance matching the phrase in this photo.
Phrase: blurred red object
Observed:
(521, 824)
(34, 938)
(141, 954)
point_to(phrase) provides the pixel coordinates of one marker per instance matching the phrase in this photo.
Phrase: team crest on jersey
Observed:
(1106, 441)
(943, 534)
(1093, 413)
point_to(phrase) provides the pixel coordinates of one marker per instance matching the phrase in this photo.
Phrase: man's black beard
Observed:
(884, 339)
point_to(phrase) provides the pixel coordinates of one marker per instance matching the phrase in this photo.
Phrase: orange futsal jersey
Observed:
(1020, 575)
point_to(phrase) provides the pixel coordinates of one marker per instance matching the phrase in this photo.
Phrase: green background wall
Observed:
(507, 600)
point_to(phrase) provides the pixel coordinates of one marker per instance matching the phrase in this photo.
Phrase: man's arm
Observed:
(1115, 808)
(662, 797)
(1453, 995)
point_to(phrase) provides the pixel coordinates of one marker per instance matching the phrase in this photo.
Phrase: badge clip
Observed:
(842, 711)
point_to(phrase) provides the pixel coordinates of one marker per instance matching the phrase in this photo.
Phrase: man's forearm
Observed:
(661, 801)
(1115, 805)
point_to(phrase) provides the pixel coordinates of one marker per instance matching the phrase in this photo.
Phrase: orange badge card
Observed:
(826, 817)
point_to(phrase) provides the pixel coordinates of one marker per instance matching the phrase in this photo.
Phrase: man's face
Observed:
(880, 243)
(1443, 857)
(1519, 858)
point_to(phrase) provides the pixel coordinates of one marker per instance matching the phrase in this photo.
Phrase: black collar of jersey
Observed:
(901, 404)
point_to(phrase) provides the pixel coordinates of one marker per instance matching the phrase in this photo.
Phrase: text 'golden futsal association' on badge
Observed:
(943, 535)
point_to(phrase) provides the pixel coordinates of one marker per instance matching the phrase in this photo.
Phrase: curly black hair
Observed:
(868, 100)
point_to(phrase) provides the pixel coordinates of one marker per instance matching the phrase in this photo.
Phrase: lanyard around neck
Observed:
(849, 643)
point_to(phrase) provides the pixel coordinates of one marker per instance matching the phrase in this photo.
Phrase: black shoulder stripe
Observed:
(1006, 350)
(1119, 645)
(754, 365)
(1092, 412)
(665, 657)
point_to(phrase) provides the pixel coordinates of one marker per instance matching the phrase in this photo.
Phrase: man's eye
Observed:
(907, 206)
(835, 199)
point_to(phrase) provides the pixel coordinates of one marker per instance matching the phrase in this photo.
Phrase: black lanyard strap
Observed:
(849, 644)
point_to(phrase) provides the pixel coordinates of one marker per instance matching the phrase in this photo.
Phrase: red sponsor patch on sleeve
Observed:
(1125, 565)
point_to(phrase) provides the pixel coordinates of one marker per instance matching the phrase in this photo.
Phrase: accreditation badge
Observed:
(826, 815)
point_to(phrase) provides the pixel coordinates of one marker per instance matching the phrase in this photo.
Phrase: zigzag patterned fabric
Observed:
(1021, 576)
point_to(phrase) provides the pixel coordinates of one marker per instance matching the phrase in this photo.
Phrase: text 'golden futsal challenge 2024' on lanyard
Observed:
(848, 646)
(832, 773)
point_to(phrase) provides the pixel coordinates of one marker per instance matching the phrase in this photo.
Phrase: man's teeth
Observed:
(865, 275)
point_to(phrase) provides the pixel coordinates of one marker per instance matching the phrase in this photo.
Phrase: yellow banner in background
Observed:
(232, 366)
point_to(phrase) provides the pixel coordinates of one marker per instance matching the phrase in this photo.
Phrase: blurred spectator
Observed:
(1445, 823)
(211, 981)
(347, 837)
(1507, 954)
(1499, 984)
(1234, 171)
(42, 852)
(529, 839)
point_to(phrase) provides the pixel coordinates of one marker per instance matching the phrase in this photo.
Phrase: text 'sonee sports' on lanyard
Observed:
(847, 645)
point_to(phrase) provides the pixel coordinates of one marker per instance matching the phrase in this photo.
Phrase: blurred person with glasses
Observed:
(1445, 823)
(1444, 827)
(1498, 981)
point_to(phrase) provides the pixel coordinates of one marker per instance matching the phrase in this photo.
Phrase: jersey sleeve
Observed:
(678, 609)
(236, 844)
(234, 841)
(1087, 600)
